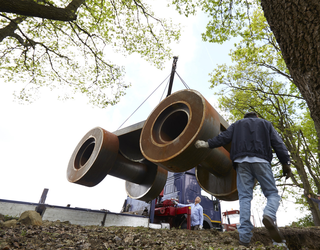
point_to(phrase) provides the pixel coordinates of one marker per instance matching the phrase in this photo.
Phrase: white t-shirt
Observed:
(250, 159)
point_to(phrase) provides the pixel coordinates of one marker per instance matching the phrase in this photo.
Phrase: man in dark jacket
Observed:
(252, 140)
(315, 200)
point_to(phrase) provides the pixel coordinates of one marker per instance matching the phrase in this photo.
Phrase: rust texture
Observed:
(143, 153)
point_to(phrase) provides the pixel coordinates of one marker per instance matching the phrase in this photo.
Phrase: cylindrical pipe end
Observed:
(152, 185)
(168, 135)
(93, 157)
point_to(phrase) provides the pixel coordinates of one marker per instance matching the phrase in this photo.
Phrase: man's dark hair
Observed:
(250, 114)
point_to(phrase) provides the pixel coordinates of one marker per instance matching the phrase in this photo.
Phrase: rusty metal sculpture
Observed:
(143, 153)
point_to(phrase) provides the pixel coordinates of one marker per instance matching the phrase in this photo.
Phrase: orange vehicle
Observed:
(231, 220)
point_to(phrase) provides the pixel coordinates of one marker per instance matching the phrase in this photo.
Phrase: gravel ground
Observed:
(62, 235)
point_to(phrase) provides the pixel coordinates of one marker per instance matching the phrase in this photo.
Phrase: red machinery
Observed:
(231, 219)
(175, 216)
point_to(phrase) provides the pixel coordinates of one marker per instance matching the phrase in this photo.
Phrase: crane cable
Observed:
(183, 82)
(143, 102)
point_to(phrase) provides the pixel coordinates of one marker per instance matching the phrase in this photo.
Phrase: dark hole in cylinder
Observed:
(84, 153)
(171, 123)
(173, 126)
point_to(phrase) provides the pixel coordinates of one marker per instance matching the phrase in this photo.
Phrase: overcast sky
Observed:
(37, 140)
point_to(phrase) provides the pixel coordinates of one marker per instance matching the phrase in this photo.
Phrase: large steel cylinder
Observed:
(93, 157)
(97, 155)
(170, 132)
(221, 187)
(142, 153)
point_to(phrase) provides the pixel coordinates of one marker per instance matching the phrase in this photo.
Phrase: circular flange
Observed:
(93, 157)
(168, 135)
(152, 185)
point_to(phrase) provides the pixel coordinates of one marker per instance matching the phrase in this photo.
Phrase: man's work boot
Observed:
(244, 244)
(272, 228)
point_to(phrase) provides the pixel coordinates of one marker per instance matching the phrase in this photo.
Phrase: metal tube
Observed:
(97, 155)
(128, 170)
(170, 132)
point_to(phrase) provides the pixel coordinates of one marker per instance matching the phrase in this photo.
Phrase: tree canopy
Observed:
(69, 44)
(294, 24)
(259, 81)
(287, 46)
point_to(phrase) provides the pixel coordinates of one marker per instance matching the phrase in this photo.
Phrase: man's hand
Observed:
(201, 144)
(286, 170)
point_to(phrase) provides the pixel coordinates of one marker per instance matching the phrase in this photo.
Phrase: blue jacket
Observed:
(317, 201)
(196, 213)
(252, 136)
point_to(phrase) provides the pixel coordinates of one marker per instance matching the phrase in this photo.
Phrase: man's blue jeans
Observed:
(246, 175)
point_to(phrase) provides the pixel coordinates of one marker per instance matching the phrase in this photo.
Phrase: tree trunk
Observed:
(299, 164)
(296, 26)
(306, 186)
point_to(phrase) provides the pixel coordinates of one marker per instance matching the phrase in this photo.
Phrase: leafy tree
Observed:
(69, 44)
(306, 221)
(259, 81)
(295, 25)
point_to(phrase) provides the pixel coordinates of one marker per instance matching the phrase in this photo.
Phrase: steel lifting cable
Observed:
(143, 102)
(183, 82)
(164, 90)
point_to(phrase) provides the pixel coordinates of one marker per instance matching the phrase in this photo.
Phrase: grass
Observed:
(7, 218)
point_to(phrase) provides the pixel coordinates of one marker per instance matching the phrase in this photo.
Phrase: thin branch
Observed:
(275, 69)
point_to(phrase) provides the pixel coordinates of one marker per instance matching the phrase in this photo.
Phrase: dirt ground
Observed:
(62, 235)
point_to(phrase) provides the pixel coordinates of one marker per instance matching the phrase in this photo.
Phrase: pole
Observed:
(173, 71)
(41, 207)
(189, 218)
(152, 208)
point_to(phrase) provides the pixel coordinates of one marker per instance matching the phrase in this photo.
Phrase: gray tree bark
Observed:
(296, 26)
